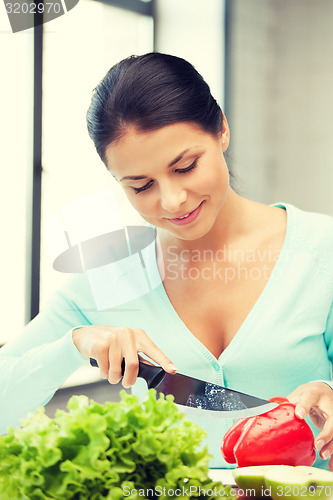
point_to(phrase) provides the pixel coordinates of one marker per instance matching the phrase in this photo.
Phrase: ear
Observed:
(225, 138)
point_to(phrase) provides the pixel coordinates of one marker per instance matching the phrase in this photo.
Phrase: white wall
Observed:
(193, 29)
(305, 173)
(281, 101)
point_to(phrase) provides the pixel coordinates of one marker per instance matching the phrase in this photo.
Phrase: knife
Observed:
(199, 397)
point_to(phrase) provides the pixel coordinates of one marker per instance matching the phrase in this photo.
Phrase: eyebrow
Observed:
(179, 157)
(139, 177)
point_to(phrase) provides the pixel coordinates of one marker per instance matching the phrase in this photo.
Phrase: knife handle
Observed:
(150, 373)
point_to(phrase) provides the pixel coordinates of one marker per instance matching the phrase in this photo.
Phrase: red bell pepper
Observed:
(277, 437)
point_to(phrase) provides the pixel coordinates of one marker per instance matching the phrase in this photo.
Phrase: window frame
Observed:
(34, 198)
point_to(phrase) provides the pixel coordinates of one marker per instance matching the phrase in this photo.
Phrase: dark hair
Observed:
(150, 92)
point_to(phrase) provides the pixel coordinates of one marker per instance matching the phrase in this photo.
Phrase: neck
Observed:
(231, 224)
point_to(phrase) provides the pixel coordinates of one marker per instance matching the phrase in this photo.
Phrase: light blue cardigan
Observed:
(285, 341)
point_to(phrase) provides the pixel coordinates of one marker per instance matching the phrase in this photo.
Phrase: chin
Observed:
(192, 234)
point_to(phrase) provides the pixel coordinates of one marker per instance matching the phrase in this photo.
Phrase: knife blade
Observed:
(196, 396)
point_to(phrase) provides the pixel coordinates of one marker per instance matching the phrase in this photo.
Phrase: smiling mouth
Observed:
(187, 218)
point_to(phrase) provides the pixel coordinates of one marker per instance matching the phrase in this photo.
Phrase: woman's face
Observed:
(175, 177)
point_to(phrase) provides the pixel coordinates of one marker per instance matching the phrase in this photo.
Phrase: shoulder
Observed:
(311, 240)
(314, 229)
(75, 291)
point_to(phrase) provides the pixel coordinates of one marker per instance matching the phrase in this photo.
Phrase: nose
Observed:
(172, 197)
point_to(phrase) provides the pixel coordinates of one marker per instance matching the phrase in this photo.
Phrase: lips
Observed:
(187, 218)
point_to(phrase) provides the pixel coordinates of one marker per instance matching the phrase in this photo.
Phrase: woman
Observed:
(246, 295)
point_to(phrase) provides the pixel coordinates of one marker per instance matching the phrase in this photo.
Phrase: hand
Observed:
(316, 400)
(110, 344)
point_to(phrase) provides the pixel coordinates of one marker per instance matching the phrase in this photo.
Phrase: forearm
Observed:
(30, 380)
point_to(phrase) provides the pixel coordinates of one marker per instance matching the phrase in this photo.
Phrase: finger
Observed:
(130, 355)
(100, 352)
(131, 367)
(147, 346)
(327, 450)
(324, 441)
(145, 360)
(115, 359)
(307, 400)
(293, 398)
(319, 416)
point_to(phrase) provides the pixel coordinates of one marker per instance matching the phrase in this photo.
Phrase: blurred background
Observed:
(268, 63)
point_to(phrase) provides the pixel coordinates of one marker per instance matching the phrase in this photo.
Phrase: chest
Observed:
(213, 297)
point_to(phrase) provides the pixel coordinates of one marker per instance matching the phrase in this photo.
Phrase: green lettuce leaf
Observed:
(110, 451)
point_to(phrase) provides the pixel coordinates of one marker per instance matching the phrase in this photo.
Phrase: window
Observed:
(77, 54)
(16, 96)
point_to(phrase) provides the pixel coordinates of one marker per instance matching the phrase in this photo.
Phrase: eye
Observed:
(179, 171)
(188, 169)
(143, 188)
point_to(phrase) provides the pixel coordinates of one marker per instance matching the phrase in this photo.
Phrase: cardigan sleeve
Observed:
(36, 363)
(329, 333)
(328, 336)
